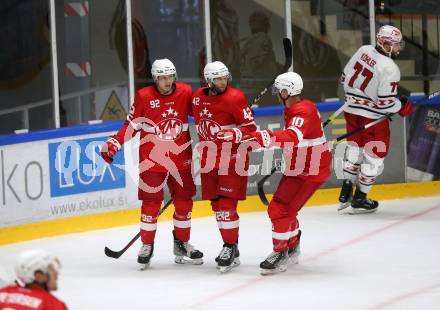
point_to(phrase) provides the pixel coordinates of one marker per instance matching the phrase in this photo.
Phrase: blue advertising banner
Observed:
(424, 143)
(76, 167)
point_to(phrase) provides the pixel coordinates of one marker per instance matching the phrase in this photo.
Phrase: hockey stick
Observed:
(369, 125)
(260, 184)
(332, 117)
(117, 254)
(288, 54)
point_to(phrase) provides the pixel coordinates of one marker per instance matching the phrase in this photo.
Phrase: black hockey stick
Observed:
(288, 55)
(117, 254)
(369, 125)
(260, 183)
(260, 186)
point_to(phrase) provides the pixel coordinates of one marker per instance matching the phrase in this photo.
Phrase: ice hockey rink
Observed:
(386, 260)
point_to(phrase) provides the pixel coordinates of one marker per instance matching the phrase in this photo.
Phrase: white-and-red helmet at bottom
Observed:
(32, 261)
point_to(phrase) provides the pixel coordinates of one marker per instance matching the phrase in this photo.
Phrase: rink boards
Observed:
(201, 209)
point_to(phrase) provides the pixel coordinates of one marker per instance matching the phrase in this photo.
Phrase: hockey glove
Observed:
(109, 149)
(230, 135)
(263, 138)
(407, 106)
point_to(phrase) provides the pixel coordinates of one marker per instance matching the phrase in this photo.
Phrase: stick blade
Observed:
(288, 52)
(111, 253)
(260, 187)
(262, 196)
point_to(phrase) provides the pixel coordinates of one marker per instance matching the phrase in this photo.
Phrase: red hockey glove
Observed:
(109, 149)
(230, 135)
(263, 138)
(407, 106)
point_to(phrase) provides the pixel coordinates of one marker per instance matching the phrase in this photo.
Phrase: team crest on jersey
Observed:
(170, 128)
(208, 129)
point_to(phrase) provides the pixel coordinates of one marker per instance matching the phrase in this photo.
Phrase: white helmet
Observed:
(214, 70)
(163, 67)
(31, 261)
(290, 81)
(391, 35)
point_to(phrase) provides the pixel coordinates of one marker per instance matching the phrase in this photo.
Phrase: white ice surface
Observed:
(385, 260)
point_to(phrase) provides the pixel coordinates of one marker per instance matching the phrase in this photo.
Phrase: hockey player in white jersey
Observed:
(370, 81)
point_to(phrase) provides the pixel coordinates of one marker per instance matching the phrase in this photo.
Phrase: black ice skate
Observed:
(294, 252)
(144, 256)
(346, 194)
(185, 253)
(361, 204)
(274, 263)
(228, 258)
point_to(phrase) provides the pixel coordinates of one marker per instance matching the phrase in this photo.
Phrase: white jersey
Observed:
(370, 82)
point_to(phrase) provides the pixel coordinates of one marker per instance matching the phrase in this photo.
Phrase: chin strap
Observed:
(389, 54)
(283, 100)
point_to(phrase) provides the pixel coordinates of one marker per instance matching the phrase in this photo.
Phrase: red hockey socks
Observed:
(227, 218)
(148, 224)
(182, 219)
(284, 228)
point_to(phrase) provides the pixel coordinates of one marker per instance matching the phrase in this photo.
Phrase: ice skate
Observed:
(294, 250)
(346, 195)
(294, 254)
(361, 204)
(228, 258)
(144, 256)
(276, 262)
(185, 253)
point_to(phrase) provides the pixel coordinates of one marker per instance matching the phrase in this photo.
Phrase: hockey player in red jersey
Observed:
(37, 274)
(217, 109)
(160, 113)
(307, 159)
(370, 81)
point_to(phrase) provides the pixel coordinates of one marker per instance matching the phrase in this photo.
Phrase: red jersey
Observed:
(20, 298)
(214, 113)
(163, 125)
(308, 153)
